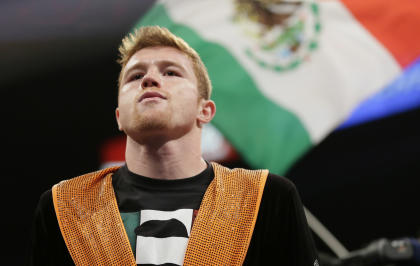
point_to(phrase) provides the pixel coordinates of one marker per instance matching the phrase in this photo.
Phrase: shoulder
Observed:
(280, 191)
(45, 203)
(279, 184)
(273, 184)
(87, 179)
(44, 211)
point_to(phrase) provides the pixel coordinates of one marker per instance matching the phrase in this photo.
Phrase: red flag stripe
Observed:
(395, 23)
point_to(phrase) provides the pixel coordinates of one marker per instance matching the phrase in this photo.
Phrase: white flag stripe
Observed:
(183, 215)
(348, 66)
(151, 250)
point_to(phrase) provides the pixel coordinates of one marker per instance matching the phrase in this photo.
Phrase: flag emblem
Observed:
(283, 33)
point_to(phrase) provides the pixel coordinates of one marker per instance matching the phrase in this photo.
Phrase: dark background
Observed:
(59, 85)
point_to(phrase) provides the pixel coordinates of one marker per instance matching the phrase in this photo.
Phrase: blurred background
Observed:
(324, 93)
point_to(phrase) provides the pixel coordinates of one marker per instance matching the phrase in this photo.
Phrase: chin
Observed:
(152, 124)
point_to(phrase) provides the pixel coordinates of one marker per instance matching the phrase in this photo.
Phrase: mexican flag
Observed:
(287, 73)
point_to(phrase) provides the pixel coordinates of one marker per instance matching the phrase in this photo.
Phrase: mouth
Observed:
(151, 94)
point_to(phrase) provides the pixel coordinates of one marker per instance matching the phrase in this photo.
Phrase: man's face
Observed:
(158, 94)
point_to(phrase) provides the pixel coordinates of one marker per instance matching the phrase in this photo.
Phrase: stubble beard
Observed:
(157, 126)
(145, 126)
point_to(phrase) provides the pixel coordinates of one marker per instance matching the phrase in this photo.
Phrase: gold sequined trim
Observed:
(90, 221)
(223, 227)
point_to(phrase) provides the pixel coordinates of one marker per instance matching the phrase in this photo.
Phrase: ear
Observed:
(206, 112)
(117, 116)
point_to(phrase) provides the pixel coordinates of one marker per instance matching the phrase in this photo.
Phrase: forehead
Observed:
(156, 54)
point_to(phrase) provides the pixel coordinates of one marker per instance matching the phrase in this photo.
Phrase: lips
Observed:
(151, 94)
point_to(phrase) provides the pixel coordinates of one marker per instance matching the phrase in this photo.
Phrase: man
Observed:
(167, 205)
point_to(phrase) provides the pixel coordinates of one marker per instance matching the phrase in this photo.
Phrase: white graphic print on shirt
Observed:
(162, 236)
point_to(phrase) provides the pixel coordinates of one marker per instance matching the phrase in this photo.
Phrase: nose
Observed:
(151, 79)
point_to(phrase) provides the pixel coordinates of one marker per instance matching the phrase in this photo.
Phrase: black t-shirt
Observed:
(160, 213)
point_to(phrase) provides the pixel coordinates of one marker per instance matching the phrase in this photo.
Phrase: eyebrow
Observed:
(160, 63)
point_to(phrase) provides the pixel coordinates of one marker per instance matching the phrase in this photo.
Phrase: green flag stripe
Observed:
(265, 134)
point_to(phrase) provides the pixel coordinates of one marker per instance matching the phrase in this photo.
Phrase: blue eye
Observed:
(171, 73)
(136, 77)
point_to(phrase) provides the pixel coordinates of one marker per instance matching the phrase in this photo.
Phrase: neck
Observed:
(172, 159)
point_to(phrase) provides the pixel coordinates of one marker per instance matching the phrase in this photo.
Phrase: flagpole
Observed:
(325, 235)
